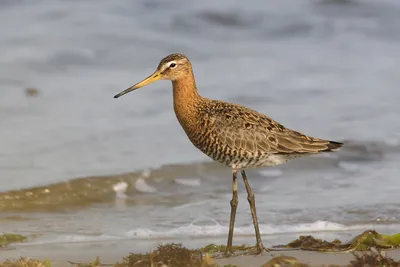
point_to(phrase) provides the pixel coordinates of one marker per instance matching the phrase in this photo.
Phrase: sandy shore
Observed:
(308, 257)
(112, 251)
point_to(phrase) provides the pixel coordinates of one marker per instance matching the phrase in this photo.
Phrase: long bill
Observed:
(152, 78)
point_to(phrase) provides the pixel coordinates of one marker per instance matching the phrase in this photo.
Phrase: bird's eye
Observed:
(172, 65)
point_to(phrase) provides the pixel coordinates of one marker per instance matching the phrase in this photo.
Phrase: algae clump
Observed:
(6, 239)
(94, 263)
(213, 248)
(167, 255)
(362, 242)
(24, 262)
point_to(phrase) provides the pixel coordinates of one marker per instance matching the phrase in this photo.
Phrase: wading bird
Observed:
(231, 134)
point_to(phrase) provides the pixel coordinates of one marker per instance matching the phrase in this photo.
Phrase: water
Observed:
(325, 68)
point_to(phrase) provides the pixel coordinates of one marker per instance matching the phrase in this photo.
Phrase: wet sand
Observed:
(311, 258)
(112, 251)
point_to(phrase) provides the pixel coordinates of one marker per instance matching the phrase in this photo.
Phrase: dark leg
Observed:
(234, 203)
(252, 202)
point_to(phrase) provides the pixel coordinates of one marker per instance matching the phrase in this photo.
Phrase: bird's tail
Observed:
(333, 146)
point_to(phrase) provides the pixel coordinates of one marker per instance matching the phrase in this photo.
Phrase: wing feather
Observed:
(244, 129)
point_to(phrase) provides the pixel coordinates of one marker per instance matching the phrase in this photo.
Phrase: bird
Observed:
(232, 134)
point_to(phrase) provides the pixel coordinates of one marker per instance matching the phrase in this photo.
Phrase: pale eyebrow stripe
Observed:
(166, 64)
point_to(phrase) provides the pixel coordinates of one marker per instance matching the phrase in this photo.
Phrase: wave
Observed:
(217, 230)
(193, 230)
(81, 192)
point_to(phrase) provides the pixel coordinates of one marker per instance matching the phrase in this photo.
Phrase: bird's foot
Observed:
(228, 254)
(261, 249)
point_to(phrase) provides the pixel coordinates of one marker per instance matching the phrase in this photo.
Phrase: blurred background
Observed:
(77, 165)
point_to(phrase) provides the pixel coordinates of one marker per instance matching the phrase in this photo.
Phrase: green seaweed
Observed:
(94, 263)
(25, 262)
(371, 238)
(169, 255)
(6, 239)
(213, 248)
(376, 258)
(362, 242)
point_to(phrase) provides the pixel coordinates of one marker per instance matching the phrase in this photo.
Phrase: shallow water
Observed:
(326, 68)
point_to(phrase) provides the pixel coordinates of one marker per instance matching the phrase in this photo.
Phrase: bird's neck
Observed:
(186, 99)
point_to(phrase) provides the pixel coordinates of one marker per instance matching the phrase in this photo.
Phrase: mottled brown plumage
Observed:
(243, 138)
(232, 134)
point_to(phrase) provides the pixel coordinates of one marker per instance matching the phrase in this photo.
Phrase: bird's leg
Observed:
(234, 204)
(252, 202)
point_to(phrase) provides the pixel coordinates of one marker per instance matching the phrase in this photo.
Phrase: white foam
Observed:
(120, 189)
(271, 172)
(213, 230)
(193, 204)
(73, 239)
(189, 182)
(193, 230)
(141, 184)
